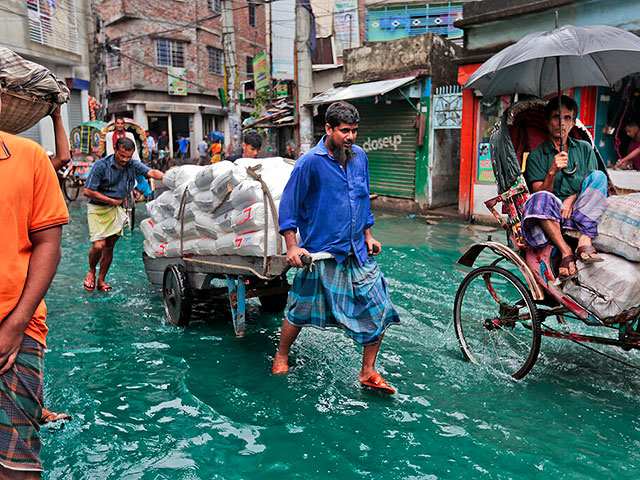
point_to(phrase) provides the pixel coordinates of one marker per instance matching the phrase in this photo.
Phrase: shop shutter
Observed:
(387, 135)
(75, 109)
(33, 133)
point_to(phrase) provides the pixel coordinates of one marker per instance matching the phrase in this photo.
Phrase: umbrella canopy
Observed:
(596, 55)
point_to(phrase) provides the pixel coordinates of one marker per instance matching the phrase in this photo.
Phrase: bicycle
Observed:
(72, 178)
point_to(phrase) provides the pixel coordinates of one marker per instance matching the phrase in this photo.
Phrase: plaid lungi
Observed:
(346, 295)
(21, 404)
(587, 210)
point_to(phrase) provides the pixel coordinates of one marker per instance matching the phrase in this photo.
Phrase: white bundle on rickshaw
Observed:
(619, 227)
(607, 289)
(218, 210)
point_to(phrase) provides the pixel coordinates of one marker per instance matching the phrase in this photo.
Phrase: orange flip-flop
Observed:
(376, 381)
(88, 285)
(279, 369)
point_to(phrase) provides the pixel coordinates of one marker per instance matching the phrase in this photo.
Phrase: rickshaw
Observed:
(500, 314)
(84, 140)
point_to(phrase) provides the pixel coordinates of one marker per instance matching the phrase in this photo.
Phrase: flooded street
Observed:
(150, 401)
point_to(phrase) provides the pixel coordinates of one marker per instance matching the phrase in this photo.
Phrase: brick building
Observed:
(147, 38)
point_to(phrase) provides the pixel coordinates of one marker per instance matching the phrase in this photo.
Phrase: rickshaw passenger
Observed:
(569, 192)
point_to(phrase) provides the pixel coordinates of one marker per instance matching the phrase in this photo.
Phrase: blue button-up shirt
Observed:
(329, 206)
(114, 182)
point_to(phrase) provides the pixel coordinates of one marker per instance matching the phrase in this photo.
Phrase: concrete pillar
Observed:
(198, 133)
(84, 103)
(140, 116)
(304, 77)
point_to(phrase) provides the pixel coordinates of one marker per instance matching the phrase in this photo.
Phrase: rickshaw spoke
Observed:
(490, 304)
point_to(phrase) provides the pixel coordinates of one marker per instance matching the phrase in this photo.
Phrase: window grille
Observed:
(252, 14)
(215, 5)
(113, 55)
(250, 66)
(169, 53)
(53, 23)
(216, 61)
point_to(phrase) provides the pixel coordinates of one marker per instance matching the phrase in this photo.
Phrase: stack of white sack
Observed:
(224, 210)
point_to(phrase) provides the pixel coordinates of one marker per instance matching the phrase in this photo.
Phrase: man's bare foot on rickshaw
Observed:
(90, 281)
(586, 252)
(48, 417)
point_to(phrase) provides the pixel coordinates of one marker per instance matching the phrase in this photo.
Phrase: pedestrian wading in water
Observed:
(327, 201)
(110, 181)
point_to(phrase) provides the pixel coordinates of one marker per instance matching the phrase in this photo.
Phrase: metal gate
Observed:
(444, 146)
(387, 135)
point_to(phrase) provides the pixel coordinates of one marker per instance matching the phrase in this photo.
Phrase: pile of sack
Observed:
(218, 209)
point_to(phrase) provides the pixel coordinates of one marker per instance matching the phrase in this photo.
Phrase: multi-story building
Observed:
(150, 42)
(56, 35)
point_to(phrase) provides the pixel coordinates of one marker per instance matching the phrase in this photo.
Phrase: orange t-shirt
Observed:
(31, 201)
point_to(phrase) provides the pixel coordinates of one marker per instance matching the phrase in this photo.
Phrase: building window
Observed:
(113, 55)
(216, 60)
(250, 66)
(252, 14)
(169, 53)
(215, 5)
(54, 24)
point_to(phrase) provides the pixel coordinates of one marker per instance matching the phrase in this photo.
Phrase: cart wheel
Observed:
(71, 187)
(274, 303)
(129, 205)
(497, 322)
(177, 295)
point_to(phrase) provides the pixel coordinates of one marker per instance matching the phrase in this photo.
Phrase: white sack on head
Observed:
(174, 177)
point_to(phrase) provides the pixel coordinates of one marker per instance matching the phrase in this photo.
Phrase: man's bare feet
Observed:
(280, 363)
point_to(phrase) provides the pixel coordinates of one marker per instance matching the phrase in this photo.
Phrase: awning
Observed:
(360, 90)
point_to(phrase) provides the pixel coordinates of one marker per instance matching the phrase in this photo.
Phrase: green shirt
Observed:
(541, 159)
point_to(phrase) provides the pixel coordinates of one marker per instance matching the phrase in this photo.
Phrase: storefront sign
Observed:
(392, 141)
(177, 80)
(485, 171)
(260, 71)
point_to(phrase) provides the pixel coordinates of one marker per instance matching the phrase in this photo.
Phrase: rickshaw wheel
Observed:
(177, 295)
(71, 188)
(497, 322)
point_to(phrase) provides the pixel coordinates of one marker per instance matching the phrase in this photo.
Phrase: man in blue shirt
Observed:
(110, 181)
(327, 201)
(183, 146)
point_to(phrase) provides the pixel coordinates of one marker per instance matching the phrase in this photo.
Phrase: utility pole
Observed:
(304, 76)
(231, 76)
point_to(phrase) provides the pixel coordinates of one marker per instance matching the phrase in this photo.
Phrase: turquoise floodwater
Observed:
(150, 401)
